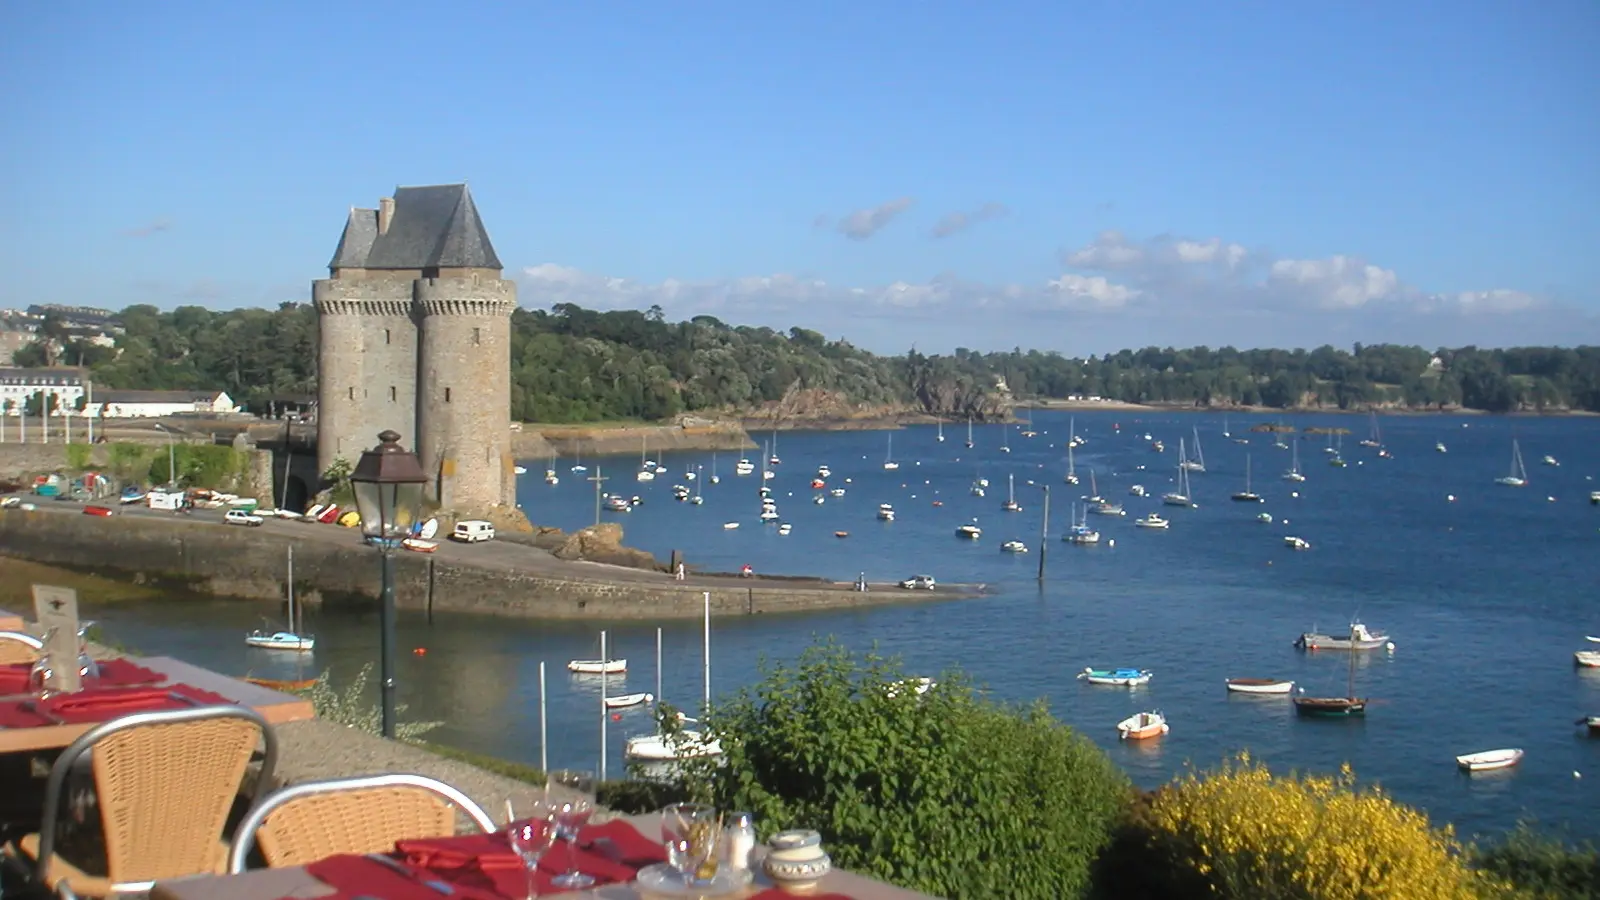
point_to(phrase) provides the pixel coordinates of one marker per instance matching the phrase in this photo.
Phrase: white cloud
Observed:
(1338, 282)
(1091, 292)
(955, 222)
(864, 223)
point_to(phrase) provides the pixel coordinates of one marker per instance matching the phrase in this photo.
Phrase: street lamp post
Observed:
(388, 487)
(172, 464)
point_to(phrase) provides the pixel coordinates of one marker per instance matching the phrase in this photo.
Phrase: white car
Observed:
(240, 517)
(918, 581)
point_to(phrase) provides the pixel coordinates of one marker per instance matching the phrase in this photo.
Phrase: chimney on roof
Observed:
(385, 214)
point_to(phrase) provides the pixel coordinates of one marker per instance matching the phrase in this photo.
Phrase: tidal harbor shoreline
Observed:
(333, 566)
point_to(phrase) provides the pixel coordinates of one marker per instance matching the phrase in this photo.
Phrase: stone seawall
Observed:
(251, 563)
(18, 461)
(600, 440)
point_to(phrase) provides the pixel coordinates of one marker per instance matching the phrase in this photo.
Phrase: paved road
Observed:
(495, 554)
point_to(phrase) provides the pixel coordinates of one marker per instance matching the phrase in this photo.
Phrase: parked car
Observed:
(240, 517)
(918, 581)
(97, 510)
(473, 531)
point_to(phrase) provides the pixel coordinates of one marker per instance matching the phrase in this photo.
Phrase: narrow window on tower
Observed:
(447, 395)
(352, 393)
(386, 340)
(477, 335)
(391, 393)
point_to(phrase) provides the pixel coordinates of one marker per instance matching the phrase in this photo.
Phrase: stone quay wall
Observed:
(251, 563)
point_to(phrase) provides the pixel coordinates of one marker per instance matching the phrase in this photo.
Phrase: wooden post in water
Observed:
(658, 664)
(707, 706)
(544, 754)
(598, 480)
(604, 676)
(1044, 532)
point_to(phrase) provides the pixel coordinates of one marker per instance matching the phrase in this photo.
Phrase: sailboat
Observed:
(1247, 495)
(1005, 438)
(1099, 505)
(941, 431)
(969, 432)
(1080, 533)
(888, 457)
(1333, 707)
(1029, 432)
(1179, 497)
(689, 744)
(1072, 469)
(773, 460)
(646, 470)
(577, 458)
(1375, 437)
(1011, 504)
(288, 639)
(1294, 473)
(1519, 473)
(715, 478)
(1198, 464)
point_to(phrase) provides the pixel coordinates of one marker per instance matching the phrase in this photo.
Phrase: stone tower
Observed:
(415, 335)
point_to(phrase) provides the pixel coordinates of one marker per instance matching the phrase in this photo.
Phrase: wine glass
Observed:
(690, 833)
(530, 837)
(570, 794)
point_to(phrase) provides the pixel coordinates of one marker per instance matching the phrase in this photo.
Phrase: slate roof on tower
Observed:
(433, 227)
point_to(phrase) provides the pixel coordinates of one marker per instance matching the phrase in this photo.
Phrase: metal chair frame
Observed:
(55, 785)
(25, 639)
(244, 837)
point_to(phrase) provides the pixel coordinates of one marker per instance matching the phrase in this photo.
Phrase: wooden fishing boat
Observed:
(1259, 686)
(623, 701)
(597, 667)
(1344, 707)
(418, 545)
(1141, 726)
(1116, 677)
(1489, 760)
(298, 684)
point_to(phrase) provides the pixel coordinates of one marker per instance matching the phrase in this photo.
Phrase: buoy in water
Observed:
(419, 651)
(1450, 498)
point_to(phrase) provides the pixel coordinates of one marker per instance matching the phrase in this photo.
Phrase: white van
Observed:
(473, 531)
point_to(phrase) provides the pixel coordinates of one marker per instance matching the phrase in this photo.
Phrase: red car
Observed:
(97, 510)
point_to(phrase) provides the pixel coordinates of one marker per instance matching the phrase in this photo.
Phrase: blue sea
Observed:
(1486, 591)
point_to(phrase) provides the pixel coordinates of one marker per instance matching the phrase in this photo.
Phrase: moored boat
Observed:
(1330, 707)
(418, 545)
(1359, 638)
(1153, 520)
(656, 747)
(1588, 659)
(1014, 547)
(1141, 726)
(1592, 723)
(969, 531)
(597, 667)
(1116, 677)
(1259, 685)
(280, 640)
(1489, 760)
(622, 701)
(1296, 543)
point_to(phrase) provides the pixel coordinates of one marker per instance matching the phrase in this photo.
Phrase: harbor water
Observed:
(1486, 591)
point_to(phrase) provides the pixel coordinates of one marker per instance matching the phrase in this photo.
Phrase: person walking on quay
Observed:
(678, 572)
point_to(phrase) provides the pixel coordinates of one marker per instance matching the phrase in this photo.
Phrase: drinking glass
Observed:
(530, 837)
(570, 794)
(691, 833)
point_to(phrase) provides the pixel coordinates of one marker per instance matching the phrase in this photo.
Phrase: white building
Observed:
(148, 404)
(17, 386)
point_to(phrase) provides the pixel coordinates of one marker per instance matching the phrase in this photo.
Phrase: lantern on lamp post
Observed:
(388, 484)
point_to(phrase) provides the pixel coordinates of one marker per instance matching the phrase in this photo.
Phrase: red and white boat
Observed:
(1141, 726)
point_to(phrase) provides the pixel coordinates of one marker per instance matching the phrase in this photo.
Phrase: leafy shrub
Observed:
(78, 456)
(1543, 868)
(132, 461)
(1240, 832)
(943, 792)
(353, 707)
(199, 465)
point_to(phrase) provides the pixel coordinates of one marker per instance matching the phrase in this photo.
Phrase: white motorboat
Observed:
(657, 748)
(618, 504)
(1116, 677)
(744, 467)
(623, 701)
(836, 492)
(1014, 547)
(1489, 760)
(1518, 477)
(1138, 491)
(1588, 659)
(280, 640)
(1259, 686)
(1550, 461)
(597, 666)
(729, 526)
(969, 531)
(645, 475)
(1153, 520)
(1439, 447)
(1264, 517)
(1140, 726)
(1296, 543)
(886, 512)
(785, 528)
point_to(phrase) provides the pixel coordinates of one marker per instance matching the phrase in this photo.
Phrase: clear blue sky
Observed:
(1102, 174)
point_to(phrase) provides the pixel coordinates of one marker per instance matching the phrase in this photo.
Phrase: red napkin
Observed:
(353, 876)
(113, 673)
(612, 853)
(101, 705)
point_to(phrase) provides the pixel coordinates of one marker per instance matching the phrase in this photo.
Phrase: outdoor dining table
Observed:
(300, 882)
(186, 683)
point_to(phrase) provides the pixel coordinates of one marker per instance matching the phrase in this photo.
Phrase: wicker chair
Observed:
(16, 647)
(166, 782)
(311, 821)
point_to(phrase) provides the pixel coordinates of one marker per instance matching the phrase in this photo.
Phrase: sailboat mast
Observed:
(658, 664)
(291, 590)
(707, 651)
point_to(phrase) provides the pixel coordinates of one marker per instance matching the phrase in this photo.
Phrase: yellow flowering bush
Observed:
(1241, 832)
